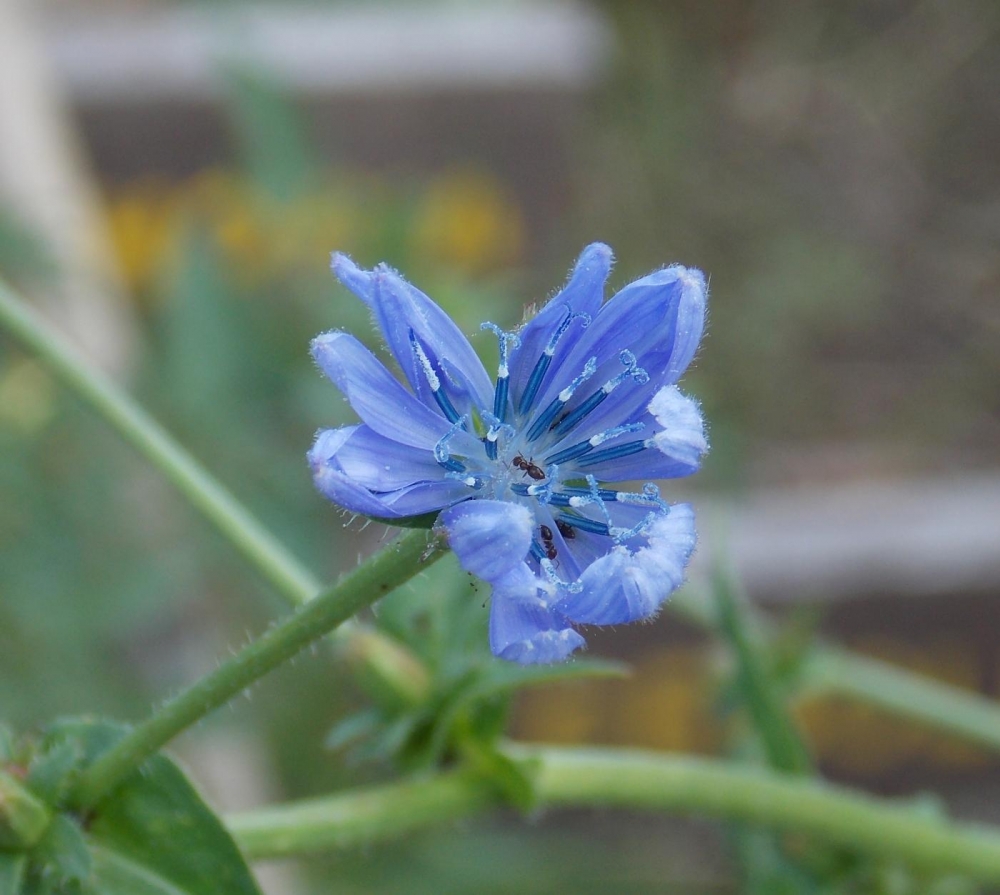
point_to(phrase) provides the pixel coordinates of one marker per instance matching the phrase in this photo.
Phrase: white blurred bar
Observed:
(905, 538)
(176, 54)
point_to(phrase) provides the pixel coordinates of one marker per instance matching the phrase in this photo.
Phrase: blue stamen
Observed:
(534, 382)
(505, 340)
(537, 551)
(571, 419)
(561, 400)
(433, 380)
(585, 447)
(571, 453)
(543, 362)
(441, 453)
(614, 452)
(599, 493)
(625, 534)
(631, 371)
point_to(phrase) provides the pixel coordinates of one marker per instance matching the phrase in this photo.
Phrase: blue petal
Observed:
(379, 399)
(399, 309)
(659, 318)
(489, 537)
(675, 423)
(339, 474)
(623, 586)
(375, 462)
(522, 626)
(335, 485)
(582, 294)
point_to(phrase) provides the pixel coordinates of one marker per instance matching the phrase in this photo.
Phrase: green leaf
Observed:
(783, 746)
(513, 779)
(50, 773)
(62, 857)
(156, 820)
(12, 869)
(154, 833)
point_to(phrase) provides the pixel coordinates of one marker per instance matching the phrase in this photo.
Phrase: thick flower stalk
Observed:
(524, 469)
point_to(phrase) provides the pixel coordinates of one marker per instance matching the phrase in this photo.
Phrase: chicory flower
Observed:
(523, 468)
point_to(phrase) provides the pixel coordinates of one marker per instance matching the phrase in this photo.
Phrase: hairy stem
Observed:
(386, 570)
(631, 779)
(233, 520)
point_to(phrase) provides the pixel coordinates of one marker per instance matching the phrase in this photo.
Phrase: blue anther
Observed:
(614, 452)
(441, 453)
(542, 364)
(433, 380)
(571, 419)
(571, 453)
(561, 400)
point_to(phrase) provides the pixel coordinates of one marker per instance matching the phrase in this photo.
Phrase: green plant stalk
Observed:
(631, 779)
(360, 817)
(833, 670)
(779, 736)
(373, 579)
(233, 520)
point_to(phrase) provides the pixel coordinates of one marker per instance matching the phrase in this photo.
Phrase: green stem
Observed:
(386, 570)
(23, 817)
(937, 704)
(360, 817)
(831, 669)
(144, 433)
(632, 779)
(233, 520)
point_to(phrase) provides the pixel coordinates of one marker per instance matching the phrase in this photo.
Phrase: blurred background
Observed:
(173, 177)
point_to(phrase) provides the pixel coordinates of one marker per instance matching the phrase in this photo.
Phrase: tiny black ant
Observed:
(565, 529)
(550, 548)
(535, 472)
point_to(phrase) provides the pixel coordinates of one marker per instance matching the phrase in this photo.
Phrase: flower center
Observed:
(535, 456)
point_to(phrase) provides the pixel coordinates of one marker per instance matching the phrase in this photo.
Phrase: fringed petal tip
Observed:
(623, 586)
(523, 627)
(544, 648)
(682, 434)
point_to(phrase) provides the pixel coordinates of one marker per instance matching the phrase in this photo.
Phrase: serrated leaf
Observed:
(154, 830)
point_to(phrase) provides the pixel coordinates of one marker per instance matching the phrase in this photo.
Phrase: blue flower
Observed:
(523, 468)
